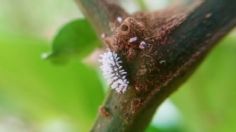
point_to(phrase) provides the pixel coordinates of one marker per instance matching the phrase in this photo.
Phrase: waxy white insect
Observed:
(113, 72)
(133, 39)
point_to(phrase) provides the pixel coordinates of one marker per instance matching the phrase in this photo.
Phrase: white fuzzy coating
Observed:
(113, 72)
(119, 19)
(133, 39)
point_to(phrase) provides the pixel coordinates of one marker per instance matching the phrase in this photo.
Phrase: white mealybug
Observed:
(113, 71)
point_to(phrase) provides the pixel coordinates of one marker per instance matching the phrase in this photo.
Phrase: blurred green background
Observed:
(39, 96)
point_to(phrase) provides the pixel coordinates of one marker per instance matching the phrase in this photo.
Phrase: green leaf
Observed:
(39, 90)
(207, 100)
(141, 4)
(153, 128)
(75, 39)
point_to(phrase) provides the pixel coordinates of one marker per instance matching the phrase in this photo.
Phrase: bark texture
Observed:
(176, 43)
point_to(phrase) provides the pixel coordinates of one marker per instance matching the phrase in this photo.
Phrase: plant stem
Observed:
(184, 50)
(101, 13)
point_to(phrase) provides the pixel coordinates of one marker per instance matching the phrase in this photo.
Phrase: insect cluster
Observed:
(113, 71)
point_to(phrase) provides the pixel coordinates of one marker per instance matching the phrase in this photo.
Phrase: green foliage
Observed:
(75, 39)
(38, 90)
(141, 4)
(207, 100)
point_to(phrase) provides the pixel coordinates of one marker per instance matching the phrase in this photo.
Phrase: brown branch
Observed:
(101, 13)
(177, 46)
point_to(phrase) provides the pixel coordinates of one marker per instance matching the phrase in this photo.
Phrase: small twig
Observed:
(101, 13)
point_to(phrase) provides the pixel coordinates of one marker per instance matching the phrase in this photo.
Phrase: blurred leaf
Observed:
(207, 100)
(38, 89)
(36, 18)
(76, 38)
(152, 128)
(166, 119)
(141, 4)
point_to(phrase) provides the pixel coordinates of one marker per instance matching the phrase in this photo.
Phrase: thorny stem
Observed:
(185, 48)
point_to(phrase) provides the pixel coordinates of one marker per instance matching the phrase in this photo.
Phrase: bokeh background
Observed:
(39, 96)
